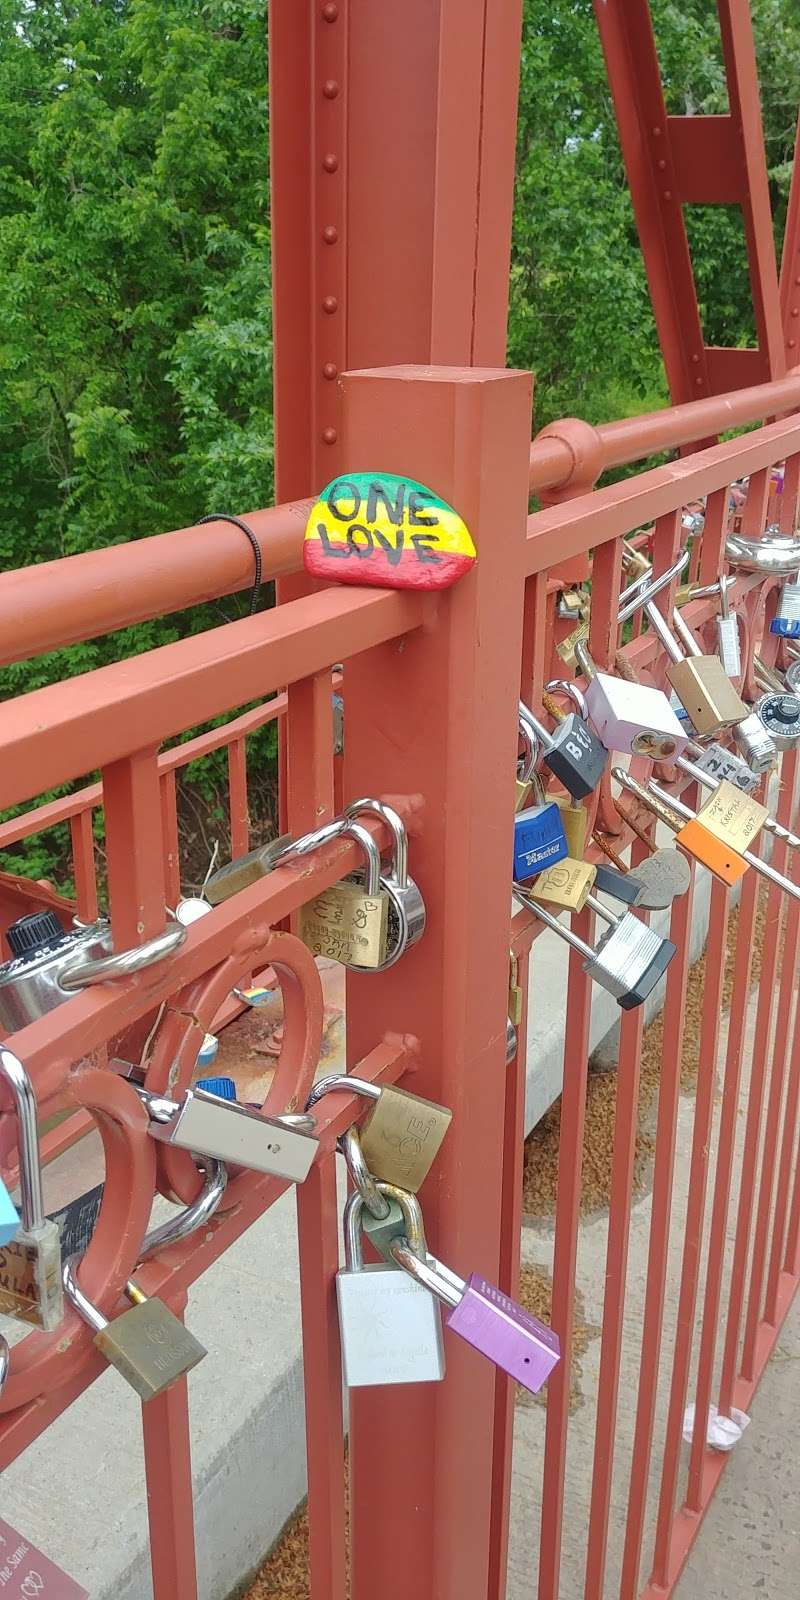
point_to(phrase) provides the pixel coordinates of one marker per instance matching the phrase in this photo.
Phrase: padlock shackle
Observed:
(124, 963)
(602, 911)
(354, 830)
(530, 739)
(566, 687)
(553, 922)
(78, 1299)
(30, 1168)
(766, 677)
(684, 632)
(584, 659)
(191, 1217)
(645, 589)
(426, 1275)
(348, 1085)
(365, 1184)
(396, 826)
(537, 727)
(308, 842)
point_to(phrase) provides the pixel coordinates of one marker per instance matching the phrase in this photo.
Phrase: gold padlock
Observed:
(247, 869)
(565, 884)
(514, 991)
(733, 816)
(575, 820)
(350, 921)
(401, 1136)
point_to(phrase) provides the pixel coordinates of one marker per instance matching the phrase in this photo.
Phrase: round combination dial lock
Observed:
(793, 677)
(780, 714)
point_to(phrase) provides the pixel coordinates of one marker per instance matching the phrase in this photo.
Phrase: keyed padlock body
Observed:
(704, 688)
(539, 840)
(576, 758)
(390, 1326)
(505, 1332)
(401, 1136)
(567, 884)
(9, 1216)
(711, 852)
(208, 1125)
(575, 823)
(150, 1347)
(634, 717)
(622, 886)
(728, 645)
(246, 869)
(30, 1277)
(721, 763)
(732, 816)
(629, 961)
(346, 924)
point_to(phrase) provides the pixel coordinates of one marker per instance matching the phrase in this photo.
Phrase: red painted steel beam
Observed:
(790, 263)
(676, 161)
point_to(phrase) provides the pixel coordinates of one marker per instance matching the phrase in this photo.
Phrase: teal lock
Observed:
(9, 1217)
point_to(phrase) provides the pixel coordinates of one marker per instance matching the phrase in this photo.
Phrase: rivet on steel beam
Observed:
(330, 12)
(330, 88)
(330, 370)
(796, 311)
(330, 234)
(696, 359)
(656, 133)
(329, 435)
(699, 383)
(667, 194)
(662, 166)
(330, 304)
(330, 163)
(792, 343)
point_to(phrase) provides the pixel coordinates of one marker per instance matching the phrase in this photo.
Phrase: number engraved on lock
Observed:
(345, 924)
(733, 816)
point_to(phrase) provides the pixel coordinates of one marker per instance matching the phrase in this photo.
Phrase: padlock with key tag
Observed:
(573, 753)
(148, 1344)
(566, 885)
(406, 907)
(207, 1125)
(390, 1327)
(30, 1263)
(769, 822)
(630, 716)
(629, 960)
(700, 681)
(493, 1323)
(349, 922)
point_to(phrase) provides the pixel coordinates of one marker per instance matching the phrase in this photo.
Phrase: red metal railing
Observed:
(431, 686)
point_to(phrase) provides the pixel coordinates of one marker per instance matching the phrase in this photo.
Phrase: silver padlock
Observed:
(716, 762)
(30, 1265)
(728, 645)
(406, 905)
(779, 713)
(629, 960)
(50, 963)
(389, 1335)
(774, 555)
(756, 744)
(695, 770)
(208, 1126)
(630, 716)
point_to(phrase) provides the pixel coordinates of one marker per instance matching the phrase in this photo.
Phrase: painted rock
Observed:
(387, 532)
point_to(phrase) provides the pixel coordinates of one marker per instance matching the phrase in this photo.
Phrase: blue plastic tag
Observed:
(9, 1216)
(539, 840)
(786, 629)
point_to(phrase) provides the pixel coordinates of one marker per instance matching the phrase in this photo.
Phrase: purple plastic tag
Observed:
(26, 1574)
(506, 1333)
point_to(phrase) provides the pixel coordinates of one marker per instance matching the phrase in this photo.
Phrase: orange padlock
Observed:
(711, 852)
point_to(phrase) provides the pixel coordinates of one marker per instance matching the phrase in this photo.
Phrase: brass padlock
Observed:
(696, 839)
(575, 822)
(566, 884)
(350, 921)
(526, 765)
(247, 869)
(514, 991)
(401, 1136)
(733, 816)
(700, 681)
(148, 1345)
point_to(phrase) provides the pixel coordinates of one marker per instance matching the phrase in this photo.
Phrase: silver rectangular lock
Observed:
(208, 1126)
(388, 1334)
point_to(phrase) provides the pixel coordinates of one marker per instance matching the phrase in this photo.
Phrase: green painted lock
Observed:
(403, 1222)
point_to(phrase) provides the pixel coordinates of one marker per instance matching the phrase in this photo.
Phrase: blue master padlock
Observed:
(539, 840)
(9, 1218)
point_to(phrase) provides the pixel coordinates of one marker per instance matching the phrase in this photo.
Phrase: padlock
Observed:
(756, 743)
(728, 645)
(209, 1126)
(704, 846)
(30, 1264)
(526, 764)
(489, 1320)
(695, 770)
(349, 922)
(148, 1344)
(714, 761)
(191, 1217)
(630, 716)
(403, 1222)
(514, 992)
(246, 869)
(9, 1216)
(539, 839)
(566, 885)
(774, 555)
(780, 715)
(406, 913)
(572, 752)
(390, 1327)
(622, 886)
(49, 964)
(629, 960)
(793, 677)
(732, 816)
(663, 877)
(699, 681)
(786, 621)
(575, 822)
(401, 1136)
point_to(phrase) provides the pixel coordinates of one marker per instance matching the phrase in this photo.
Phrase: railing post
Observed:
(436, 714)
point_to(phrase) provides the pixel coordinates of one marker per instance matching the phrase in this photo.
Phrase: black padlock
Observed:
(572, 751)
